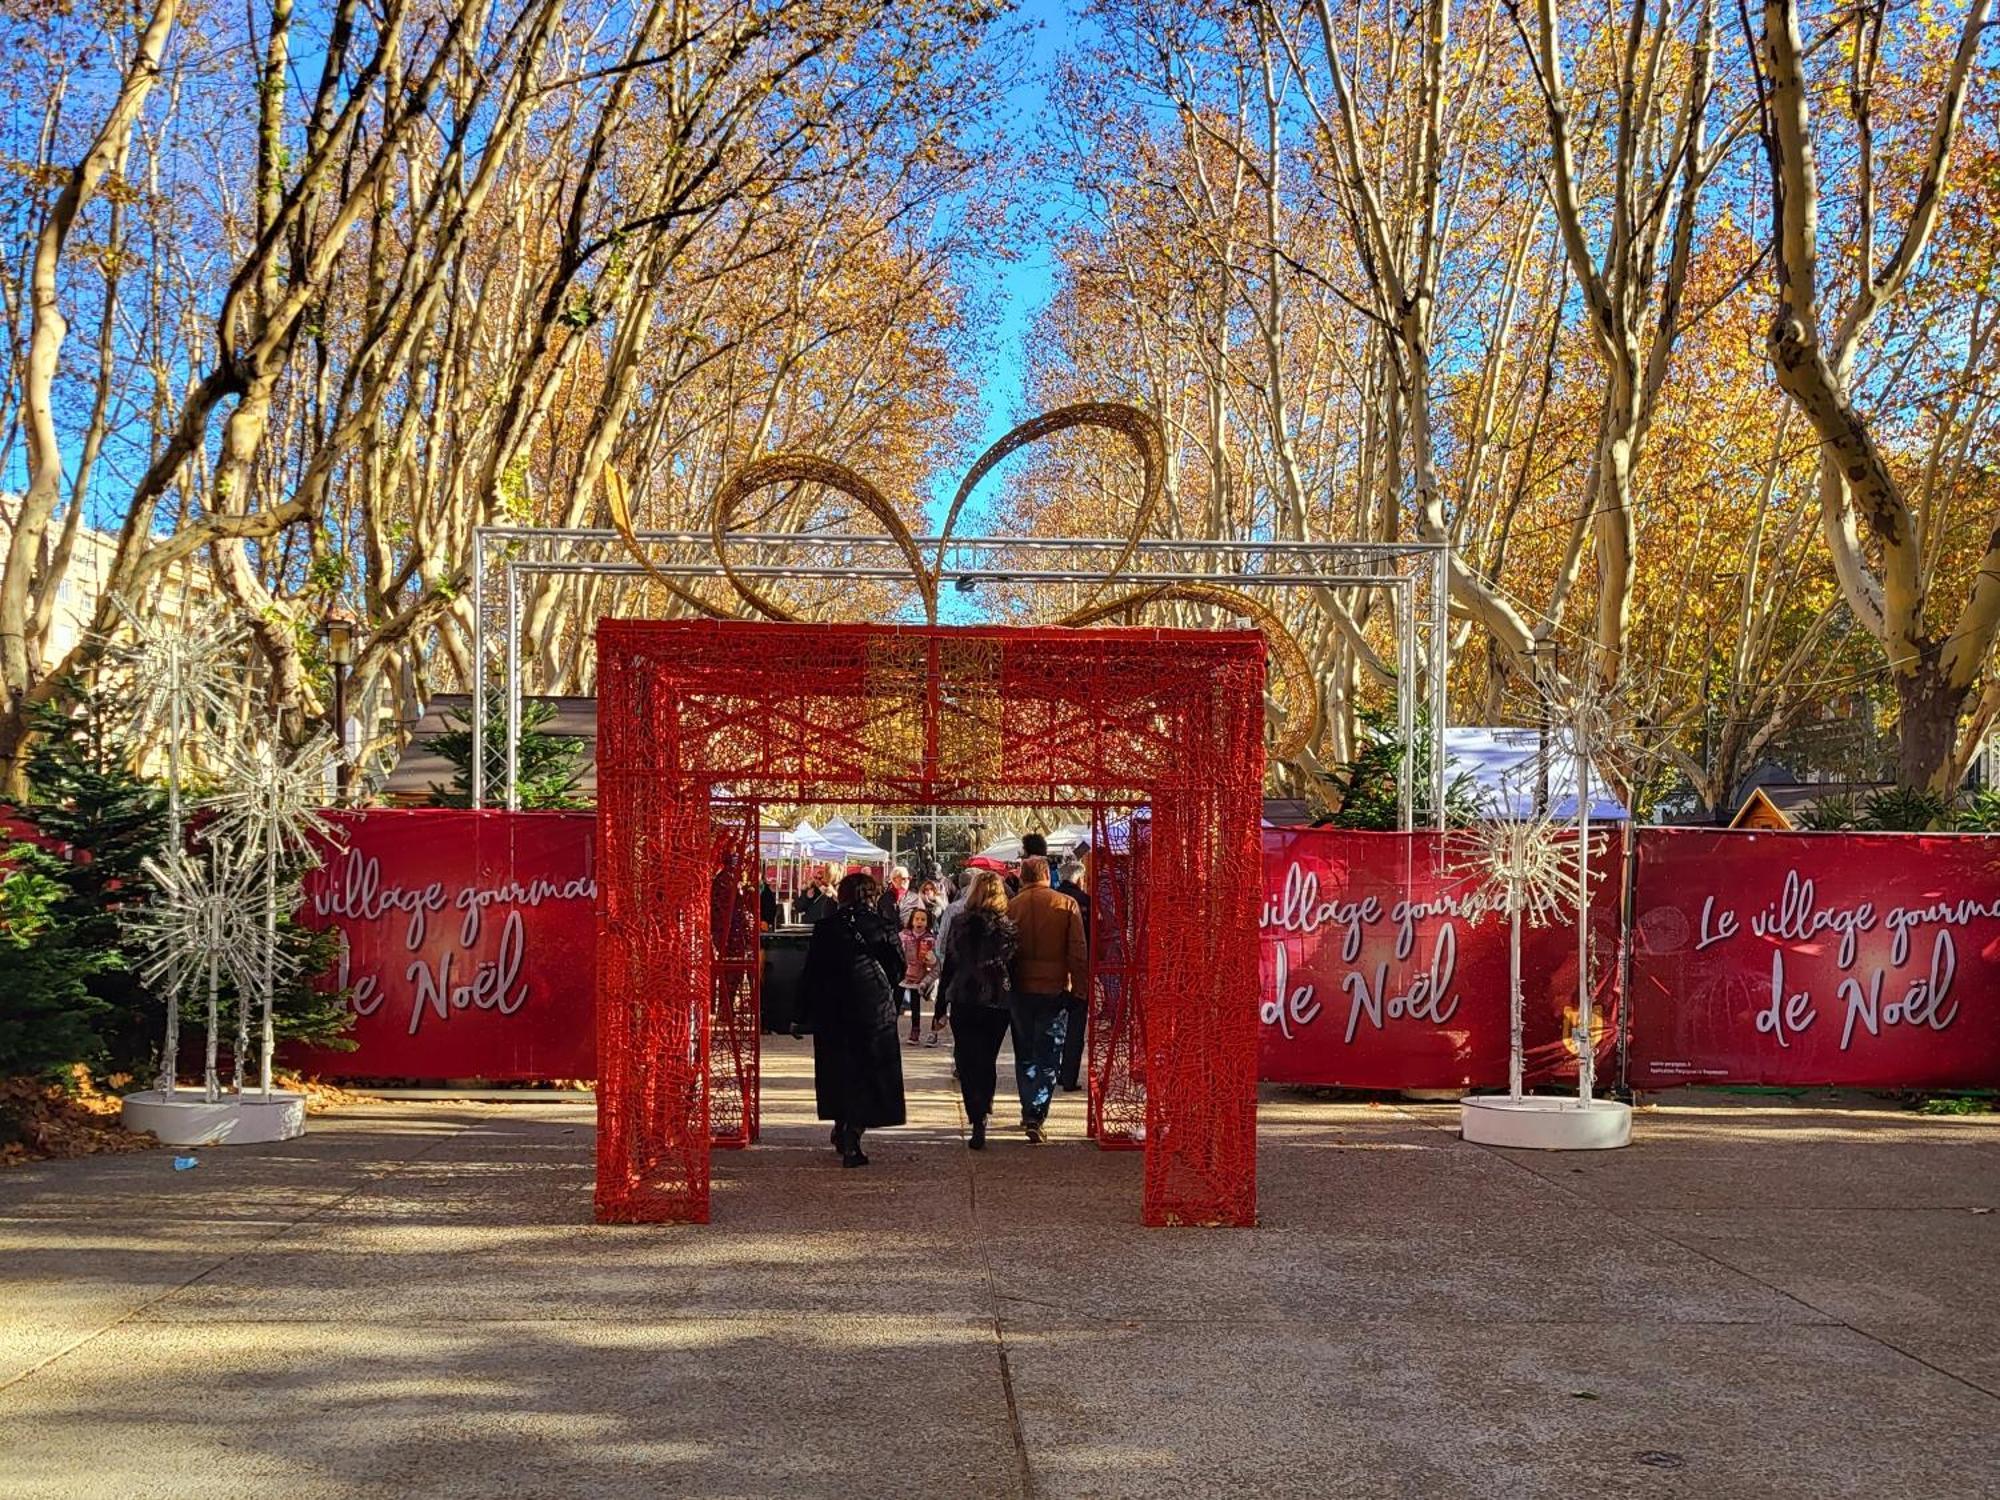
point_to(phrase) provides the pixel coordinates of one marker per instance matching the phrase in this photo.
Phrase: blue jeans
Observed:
(1040, 1022)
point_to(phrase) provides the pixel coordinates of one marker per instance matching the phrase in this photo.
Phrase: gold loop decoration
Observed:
(619, 505)
(1134, 425)
(1303, 711)
(1293, 680)
(795, 468)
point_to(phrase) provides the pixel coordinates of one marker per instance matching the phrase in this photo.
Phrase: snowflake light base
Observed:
(1545, 1123)
(187, 1117)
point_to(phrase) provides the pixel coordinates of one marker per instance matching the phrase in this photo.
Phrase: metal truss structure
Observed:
(508, 562)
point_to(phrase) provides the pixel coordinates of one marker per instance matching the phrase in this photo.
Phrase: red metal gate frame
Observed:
(699, 713)
(1119, 871)
(735, 964)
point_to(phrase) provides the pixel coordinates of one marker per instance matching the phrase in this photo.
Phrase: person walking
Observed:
(1070, 1073)
(952, 908)
(852, 965)
(896, 899)
(920, 963)
(1049, 966)
(813, 905)
(974, 988)
(941, 1008)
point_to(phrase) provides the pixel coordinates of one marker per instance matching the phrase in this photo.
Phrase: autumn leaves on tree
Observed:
(1677, 321)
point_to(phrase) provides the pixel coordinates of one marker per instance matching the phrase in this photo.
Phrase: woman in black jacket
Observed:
(813, 904)
(852, 965)
(975, 986)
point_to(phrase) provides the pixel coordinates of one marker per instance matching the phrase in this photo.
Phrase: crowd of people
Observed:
(990, 956)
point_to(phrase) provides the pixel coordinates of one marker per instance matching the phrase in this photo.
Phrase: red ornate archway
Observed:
(698, 714)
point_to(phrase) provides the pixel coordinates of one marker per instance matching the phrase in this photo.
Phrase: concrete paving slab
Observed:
(63, 1281)
(1388, 1265)
(1530, 1410)
(373, 1273)
(1786, 1156)
(663, 1407)
(413, 1300)
(1920, 1281)
(278, 1180)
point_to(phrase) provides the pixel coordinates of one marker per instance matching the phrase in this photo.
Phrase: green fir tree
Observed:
(550, 765)
(86, 800)
(49, 1016)
(1368, 789)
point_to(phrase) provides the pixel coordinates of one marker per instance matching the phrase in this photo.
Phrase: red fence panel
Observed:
(1374, 977)
(470, 940)
(1866, 960)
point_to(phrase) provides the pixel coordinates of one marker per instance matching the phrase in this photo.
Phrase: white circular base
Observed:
(1544, 1123)
(186, 1118)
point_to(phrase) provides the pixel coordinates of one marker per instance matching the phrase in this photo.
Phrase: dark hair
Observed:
(860, 887)
(1034, 843)
(919, 910)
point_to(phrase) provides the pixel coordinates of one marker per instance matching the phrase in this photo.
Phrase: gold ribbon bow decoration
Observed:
(1293, 678)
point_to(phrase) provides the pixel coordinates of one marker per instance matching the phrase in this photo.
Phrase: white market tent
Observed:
(841, 840)
(802, 842)
(778, 843)
(1061, 841)
(794, 851)
(1499, 765)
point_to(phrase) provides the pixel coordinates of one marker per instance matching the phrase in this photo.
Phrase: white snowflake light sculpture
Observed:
(1526, 868)
(202, 926)
(271, 801)
(180, 672)
(1596, 716)
(269, 813)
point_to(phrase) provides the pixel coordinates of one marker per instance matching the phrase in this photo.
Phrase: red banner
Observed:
(1382, 970)
(1869, 960)
(469, 944)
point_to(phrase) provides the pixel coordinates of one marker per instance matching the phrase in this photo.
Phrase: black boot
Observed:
(851, 1154)
(978, 1141)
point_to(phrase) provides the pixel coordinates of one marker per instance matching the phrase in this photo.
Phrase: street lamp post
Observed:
(338, 631)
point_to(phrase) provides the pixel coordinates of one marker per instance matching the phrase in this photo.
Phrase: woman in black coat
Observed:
(852, 965)
(976, 990)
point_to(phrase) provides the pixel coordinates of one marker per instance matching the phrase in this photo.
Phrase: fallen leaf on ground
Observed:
(52, 1121)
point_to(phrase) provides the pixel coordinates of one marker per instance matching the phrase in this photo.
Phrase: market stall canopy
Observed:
(782, 843)
(840, 840)
(802, 842)
(1061, 841)
(1498, 766)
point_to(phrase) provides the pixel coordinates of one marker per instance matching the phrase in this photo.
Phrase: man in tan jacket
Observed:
(1049, 966)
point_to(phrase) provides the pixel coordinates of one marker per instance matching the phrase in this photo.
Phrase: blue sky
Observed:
(1019, 288)
(1026, 284)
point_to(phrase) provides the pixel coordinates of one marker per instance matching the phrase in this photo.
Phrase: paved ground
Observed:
(1754, 1300)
